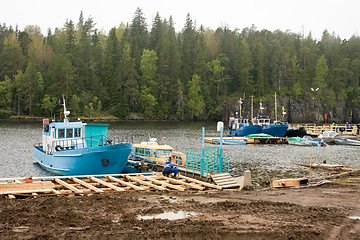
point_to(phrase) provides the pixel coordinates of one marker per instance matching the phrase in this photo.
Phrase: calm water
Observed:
(266, 162)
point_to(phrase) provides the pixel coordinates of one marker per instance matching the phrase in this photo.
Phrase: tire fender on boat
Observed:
(58, 148)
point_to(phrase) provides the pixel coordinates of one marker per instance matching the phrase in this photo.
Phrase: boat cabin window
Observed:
(69, 133)
(61, 133)
(77, 132)
(46, 128)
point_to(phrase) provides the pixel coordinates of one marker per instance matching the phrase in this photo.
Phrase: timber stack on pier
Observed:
(78, 185)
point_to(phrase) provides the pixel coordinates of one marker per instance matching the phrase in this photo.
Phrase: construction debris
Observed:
(56, 185)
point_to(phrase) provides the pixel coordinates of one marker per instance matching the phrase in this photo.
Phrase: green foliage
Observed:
(195, 102)
(49, 104)
(197, 73)
(147, 103)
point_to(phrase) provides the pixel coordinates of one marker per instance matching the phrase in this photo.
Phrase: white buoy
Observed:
(220, 125)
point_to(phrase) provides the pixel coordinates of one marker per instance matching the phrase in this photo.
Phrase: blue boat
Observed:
(77, 148)
(276, 129)
(231, 142)
(240, 127)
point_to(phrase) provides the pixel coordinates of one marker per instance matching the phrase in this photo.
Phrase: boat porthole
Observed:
(50, 165)
(58, 148)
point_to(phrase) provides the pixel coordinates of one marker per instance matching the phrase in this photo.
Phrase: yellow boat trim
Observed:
(155, 147)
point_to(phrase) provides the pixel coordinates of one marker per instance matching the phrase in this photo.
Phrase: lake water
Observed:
(266, 162)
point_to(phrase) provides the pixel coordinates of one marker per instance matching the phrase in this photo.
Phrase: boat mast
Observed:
(252, 108)
(240, 103)
(261, 107)
(66, 113)
(283, 112)
(275, 109)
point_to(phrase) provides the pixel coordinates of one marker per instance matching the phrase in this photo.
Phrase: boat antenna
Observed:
(240, 102)
(275, 109)
(252, 108)
(283, 112)
(261, 107)
(66, 113)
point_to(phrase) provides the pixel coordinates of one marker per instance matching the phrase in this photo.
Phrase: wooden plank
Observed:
(146, 183)
(220, 174)
(29, 191)
(6, 187)
(126, 183)
(224, 181)
(181, 182)
(56, 192)
(87, 185)
(200, 182)
(107, 184)
(164, 183)
(68, 186)
(221, 178)
(231, 186)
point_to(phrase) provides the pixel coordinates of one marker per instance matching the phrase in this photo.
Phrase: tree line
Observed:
(154, 72)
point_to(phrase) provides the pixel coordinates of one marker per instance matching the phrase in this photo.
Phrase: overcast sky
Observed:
(341, 17)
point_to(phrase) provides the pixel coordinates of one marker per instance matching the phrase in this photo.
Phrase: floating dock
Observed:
(253, 140)
(58, 185)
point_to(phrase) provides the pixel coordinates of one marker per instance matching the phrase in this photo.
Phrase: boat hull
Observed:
(109, 159)
(275, 130)
(245, 130)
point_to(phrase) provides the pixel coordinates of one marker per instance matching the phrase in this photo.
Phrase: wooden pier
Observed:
(58, 185)
(315, 130)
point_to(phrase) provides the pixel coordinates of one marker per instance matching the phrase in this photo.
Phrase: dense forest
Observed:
(153, 72)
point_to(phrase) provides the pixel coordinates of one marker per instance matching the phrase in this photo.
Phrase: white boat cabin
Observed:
(237, 122)
(57, 136)
(263, 121)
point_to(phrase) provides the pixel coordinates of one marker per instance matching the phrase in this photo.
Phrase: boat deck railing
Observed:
(203, 162)
(84, 142)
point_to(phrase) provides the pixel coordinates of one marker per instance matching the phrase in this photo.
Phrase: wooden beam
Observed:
(28, 191)
(107, 184)
(200, 182)
(126, 183)
(7, 187)
(88, 185)
(56, 191)
(164, 183)
(181, 182)
(68, 186)
(146, 183)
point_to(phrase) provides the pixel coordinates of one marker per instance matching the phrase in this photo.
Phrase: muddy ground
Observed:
(320, 212)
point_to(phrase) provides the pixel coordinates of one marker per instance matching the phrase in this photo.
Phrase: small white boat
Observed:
(331, 136)
(347, 141)
(305, 141)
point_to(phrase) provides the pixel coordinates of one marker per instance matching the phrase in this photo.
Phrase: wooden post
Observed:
(310, 164)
